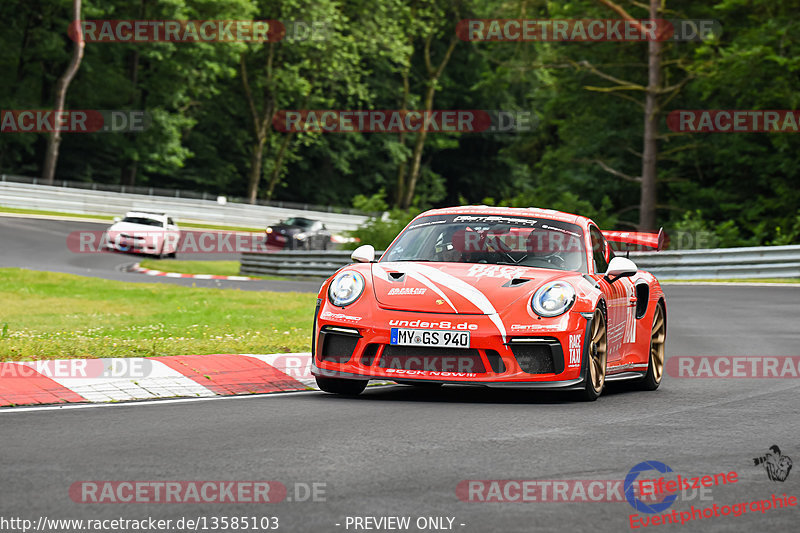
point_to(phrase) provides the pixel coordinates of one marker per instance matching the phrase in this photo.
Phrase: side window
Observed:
(600, 250)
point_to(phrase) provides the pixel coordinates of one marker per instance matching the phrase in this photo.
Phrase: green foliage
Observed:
(732, 189)
(380, 231)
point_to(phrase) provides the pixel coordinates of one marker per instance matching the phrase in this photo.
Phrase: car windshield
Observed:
(489, 239)
(297, 221)
(144, 221)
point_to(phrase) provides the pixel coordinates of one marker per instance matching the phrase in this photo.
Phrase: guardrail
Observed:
(178, 193)
(298, 264)
(91, 202)
(723, 263)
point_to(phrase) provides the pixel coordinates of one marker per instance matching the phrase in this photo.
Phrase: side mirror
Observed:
(620, 267)
(363, 254)
(117, 219)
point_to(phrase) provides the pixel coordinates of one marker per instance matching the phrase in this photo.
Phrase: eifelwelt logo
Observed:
(630, 488)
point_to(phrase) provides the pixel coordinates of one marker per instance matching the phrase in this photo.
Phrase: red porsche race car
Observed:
(499, 297)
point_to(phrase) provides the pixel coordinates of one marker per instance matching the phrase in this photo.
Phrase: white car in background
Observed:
(144, 232)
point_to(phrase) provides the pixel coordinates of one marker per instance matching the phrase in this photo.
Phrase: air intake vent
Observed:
(337, 346)
(538, 355)
(534, 358)
(516, 282)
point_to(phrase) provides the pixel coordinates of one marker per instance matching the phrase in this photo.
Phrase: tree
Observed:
(51, 156)
(430, 21)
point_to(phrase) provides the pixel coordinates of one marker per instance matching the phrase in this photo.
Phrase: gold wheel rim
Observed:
(598, 351)
(657, 337)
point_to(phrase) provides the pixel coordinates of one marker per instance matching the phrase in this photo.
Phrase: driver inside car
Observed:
(446, 251)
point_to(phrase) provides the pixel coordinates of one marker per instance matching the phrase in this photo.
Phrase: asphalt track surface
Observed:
(402, 451)
(41, 244)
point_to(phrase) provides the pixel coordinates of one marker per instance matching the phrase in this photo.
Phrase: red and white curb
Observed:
(151, 272)
(138, 378)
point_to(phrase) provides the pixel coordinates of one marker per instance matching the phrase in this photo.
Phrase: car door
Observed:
(618, 296)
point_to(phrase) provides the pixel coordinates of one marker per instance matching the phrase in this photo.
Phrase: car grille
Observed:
(432, 359)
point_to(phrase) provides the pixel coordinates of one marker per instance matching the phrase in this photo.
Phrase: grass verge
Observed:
(215, 268)
(46, 315)
(219, 268)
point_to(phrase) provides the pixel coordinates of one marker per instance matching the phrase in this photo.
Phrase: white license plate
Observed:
(429, 337)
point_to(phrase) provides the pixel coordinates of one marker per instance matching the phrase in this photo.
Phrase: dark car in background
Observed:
(298, 233)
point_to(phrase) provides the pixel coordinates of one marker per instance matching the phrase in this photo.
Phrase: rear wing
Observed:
(631, 240)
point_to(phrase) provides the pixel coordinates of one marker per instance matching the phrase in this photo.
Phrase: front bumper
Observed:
(123, 244)
(547, 355)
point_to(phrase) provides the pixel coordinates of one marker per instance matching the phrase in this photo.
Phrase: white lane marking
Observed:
(13, 410)
(154, 379)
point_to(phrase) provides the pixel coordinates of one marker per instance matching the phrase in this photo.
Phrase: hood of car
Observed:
(122, 227)
(464, 288)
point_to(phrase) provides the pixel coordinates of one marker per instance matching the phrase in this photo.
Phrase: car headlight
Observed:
(553, 299)
(269, 230)
(345, 288)
(301, 236)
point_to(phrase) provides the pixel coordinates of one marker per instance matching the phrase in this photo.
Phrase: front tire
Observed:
(655, 367)
(597, 354)
(346, 387)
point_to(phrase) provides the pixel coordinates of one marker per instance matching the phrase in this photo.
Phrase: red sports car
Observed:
(499, 297)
